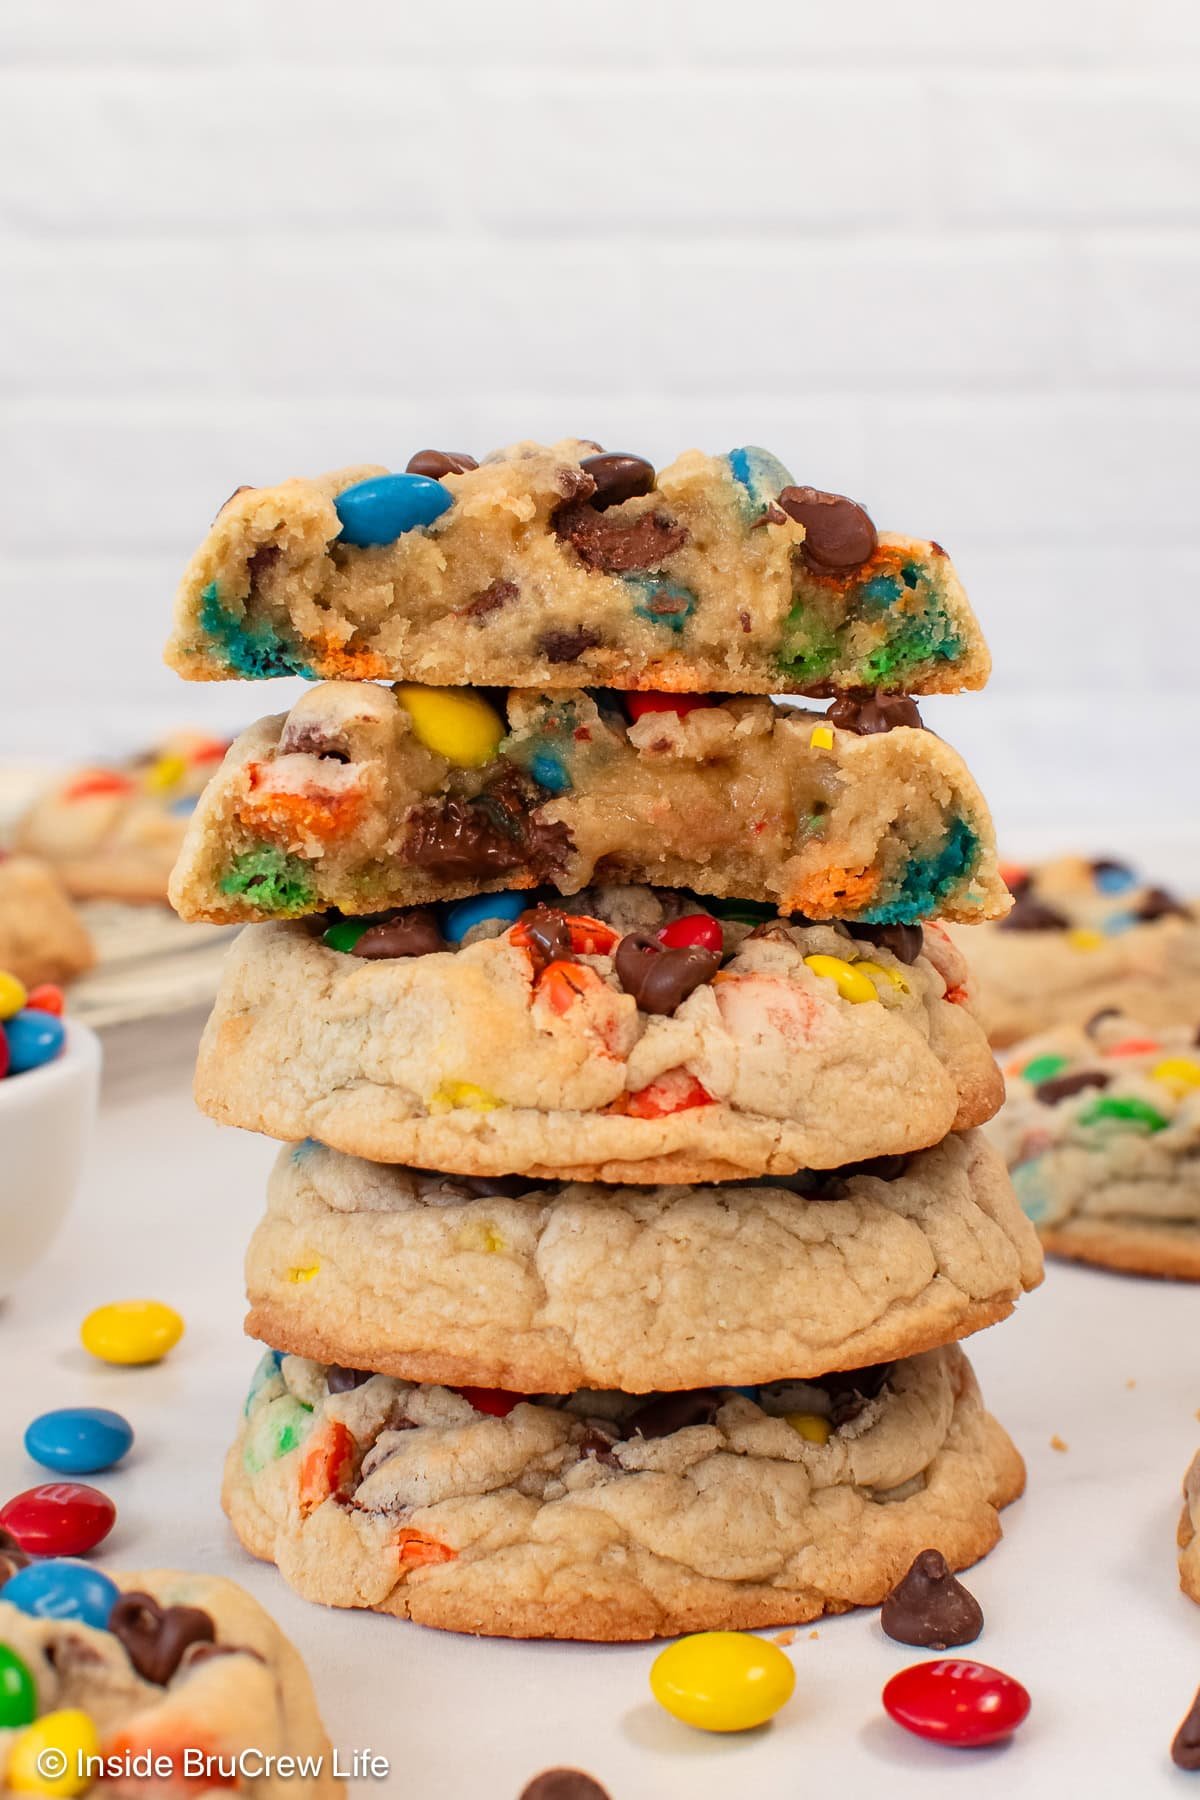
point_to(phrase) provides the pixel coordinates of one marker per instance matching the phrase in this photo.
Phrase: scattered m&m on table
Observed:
(78, 1440)
(951, 1701)
(722, 1680)
(60, 1518)
(131, 1331)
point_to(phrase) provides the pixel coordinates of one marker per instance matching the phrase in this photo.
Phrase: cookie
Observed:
(562, 566)
(189, 1664)
(1188, 1538)
(42, 937)
(362, 798)
(1083, 936)
(609, 1516)
(1101, 1130)
(520, 1053)
(114, 831)
(551, 1288)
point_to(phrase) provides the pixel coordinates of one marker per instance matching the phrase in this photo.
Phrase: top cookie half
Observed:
(569, 567)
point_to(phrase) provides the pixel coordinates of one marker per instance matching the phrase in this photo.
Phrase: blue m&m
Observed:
(384, 507)
(34, 1038)
(61, 1588)
(79, 1440)
(465, 914)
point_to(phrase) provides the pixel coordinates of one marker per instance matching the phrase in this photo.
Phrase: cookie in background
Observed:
(42, 937)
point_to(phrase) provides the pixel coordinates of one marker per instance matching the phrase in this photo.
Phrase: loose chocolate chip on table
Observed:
(566, 646)
(868, 713)
(838, 533)
(344, 1381)
(1030, 914)
(309, 740)
(563, 1784)
(548, 934)
(930, 1608)
(660, 979)
(12, 1557)
(905, 942)
(414, 932)
(436, 463)
(619, 545)
(155, 1637)
(673, 1412)
(1064, 1087)
(618, 477)
(1157, 903)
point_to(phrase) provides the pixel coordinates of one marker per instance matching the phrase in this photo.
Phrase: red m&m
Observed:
(496, 1401)
(696, 929)
(61, 1518)
(956, 1702)
(640, 704)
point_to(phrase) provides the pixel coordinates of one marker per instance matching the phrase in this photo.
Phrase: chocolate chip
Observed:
(202, 1653)
(597, 1442)
(508, 1187)
(567, 646)
(413, 932)
(1031, 914)
(619, 545)
(666, 1413)
(1185, 1747)
(549, 936)
(495, 595)
(1097, 1018)
(850, 1390)
(307, 739)
(156, 1637)
(882, 1168)
(436, 463)
(454, 838)
(866, 713)
(905, 942)
(12, 1557)
(1157, 903)
(563, 1784)
(262, 560)
(245, 488)
(838, 533)
(658, 977)
(344, 1381)
(618, 477)
(930, 1608)
(1064, 1087)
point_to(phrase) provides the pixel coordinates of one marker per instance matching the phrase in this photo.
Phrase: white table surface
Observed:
(1081, 1597)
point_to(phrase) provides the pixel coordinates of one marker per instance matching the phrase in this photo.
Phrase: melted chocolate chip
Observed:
(489, 600)
(658, 977)
(1185, 1747)
(12, 1557)
(838, 533)
(930, 1608)
(868, 713)
(344, 1381)
(489, 835)
(155, 1637)
(673, 1412)
(1030, 914)
(567, 646)
(619, 545)
(618, 477)
(597, 1441)
(436, 463)
(411, 933)
(905, 942)
(1064, 1087)
(563, 1784)
(549, 936)
(1157, 903)
(307, 739)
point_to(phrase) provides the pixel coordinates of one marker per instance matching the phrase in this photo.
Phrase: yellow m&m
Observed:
(12, 994)
(49, 1757)
(850, 983)
(722, 1680)
(1178, 1072)
(814, 1428)
(131, 1331)
(455, 722)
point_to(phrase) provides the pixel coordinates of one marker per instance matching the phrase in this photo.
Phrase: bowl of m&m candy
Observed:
(49, 1080)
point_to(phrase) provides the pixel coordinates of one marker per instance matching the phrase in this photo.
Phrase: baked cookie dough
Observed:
(526, 1052)
(363, 797)
(113, 832)
(190, 1663)
(1101, 1131)
(610, 1516)
(1082, 936)
(505, 1284)
(1189, 1532)
(42, 937)
(562, 566)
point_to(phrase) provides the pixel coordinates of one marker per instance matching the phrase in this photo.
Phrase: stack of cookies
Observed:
(632, 1202)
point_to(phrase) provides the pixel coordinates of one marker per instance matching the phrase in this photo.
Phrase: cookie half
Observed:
(190, 1664)
(561, 565)
(1085, 936)
(607, 1516)
(492, 1060)
(1101, 1131)
(550, 1288)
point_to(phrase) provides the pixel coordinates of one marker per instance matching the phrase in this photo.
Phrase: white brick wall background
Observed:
(939, 255)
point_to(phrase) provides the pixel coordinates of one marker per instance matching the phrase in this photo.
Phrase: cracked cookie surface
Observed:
(548, 567)
(604, 1516)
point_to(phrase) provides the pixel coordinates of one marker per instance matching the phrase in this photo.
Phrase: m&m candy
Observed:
(456, 723)
(699, 930)
(131, 1331)
(51, 1756)
(34, 1038)
(383, 507)
(638, 705)
(464, 915)
(956, 1702)
(722, 1680)
(78, 1440)
(46, 997)
(18, 1695)
(12, 995)
(61, 1518)
(62, 1589)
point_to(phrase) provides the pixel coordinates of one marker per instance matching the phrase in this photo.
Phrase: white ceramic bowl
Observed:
(45, 1121)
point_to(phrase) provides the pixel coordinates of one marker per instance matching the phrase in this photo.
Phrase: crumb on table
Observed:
(1057, 1443)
